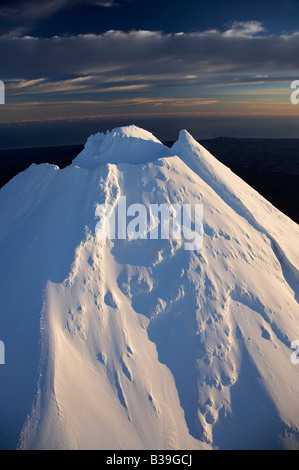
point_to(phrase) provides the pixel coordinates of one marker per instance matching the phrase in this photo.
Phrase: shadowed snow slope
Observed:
(141, 344)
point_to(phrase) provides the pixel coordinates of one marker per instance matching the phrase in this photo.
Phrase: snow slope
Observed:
(141, 344)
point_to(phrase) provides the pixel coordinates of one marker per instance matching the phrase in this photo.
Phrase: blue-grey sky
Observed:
(125, 60)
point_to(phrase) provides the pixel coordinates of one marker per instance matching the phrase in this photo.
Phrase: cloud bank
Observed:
(151, 55)
(152, 71)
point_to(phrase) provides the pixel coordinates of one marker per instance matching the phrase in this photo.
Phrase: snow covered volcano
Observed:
(140, 343)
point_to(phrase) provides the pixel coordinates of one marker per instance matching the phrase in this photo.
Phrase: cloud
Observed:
(148, 72)
(119, 55)
(244, 29)
(26, 13)
(30, 9)
(37, 9)
(125, 108)
(78, 85)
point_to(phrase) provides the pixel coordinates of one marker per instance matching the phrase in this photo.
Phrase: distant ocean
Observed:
(75, 131)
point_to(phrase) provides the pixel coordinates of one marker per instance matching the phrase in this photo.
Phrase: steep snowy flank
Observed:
(260, 213)
(142, 344)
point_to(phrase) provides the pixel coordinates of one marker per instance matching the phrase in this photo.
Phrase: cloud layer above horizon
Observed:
(239, 69)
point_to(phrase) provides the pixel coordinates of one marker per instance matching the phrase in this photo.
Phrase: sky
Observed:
(216, 67)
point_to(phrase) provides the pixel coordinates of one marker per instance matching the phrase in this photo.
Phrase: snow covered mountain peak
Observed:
(135, 132)
(129, 144)
(138, 343)
(185, 136)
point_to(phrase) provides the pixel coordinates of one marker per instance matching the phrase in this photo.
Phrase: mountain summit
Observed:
(122, 145)
(138, 343)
